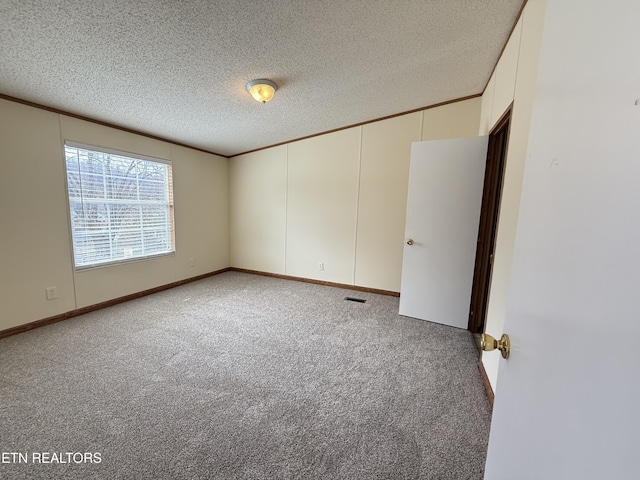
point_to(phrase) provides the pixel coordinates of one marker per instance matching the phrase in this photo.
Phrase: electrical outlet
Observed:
(192, 262)
(51, 292)
(321, 266)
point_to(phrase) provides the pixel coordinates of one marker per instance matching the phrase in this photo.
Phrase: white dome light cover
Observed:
(262, 89)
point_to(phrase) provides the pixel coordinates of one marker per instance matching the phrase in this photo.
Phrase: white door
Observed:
(443, 212)
(567, 401)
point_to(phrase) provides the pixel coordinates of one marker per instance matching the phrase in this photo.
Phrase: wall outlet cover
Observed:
(51, 292)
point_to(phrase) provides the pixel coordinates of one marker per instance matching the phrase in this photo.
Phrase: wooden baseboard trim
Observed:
(317, 282)
(109, 303)
(487, 384)
(92, 308)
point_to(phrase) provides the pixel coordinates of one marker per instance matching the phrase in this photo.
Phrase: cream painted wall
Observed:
(322, 195)
(486, 108)
(340, 199)
(529, 34)
(100, 284)
(36, 238)
(258, 215)
(505, 75)
(382, 205)
(460, 119)
(34, 219)
(201, 211)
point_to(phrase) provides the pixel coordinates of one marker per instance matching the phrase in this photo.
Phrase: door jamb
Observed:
(477, 322)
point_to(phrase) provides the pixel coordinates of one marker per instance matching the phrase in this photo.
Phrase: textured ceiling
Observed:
(178, 69)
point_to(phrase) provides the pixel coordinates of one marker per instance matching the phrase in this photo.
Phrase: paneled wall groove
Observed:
(321, 209)
(355, 233)
(68, 205)
(286, 206)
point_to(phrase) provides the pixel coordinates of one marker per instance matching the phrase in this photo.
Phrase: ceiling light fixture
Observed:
(262, 89)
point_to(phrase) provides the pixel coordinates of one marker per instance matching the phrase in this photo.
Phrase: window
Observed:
(121, 205)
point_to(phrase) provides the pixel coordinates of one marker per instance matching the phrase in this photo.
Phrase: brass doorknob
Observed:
(410, 242)
(488, 343)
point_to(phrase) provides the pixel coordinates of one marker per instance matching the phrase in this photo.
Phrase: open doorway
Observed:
(491, 195)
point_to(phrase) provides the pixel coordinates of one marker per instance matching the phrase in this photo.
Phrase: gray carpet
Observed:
(245, 377)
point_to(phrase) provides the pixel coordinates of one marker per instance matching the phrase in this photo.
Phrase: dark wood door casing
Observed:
(491, 196)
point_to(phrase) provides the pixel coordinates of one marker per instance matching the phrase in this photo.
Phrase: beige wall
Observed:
(384, 180)
(34, 220)
(339, 199)
(458, 119)
(258, 210)
(322, 195)
(513, 81)
(201, 194)
(36, 244)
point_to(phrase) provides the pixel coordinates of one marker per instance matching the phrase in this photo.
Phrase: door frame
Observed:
(488, 227)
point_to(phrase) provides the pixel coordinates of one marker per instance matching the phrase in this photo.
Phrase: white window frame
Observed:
(115, 225)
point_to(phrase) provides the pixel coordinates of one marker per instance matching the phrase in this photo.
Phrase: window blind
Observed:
(121, 206)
